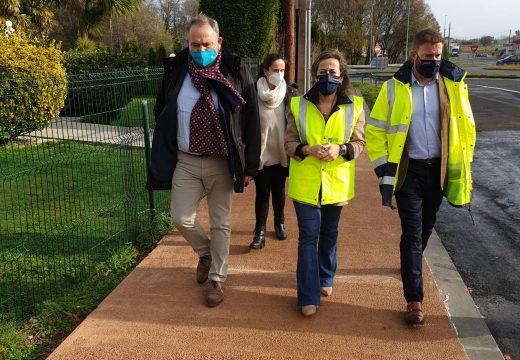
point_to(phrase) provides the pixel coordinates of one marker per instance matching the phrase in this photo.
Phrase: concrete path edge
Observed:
(467, 321)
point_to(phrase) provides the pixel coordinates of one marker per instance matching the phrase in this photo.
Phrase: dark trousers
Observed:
(418, 201)
(271, 179)
(317, 238)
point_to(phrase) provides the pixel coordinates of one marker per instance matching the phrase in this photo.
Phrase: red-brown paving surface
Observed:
(158, 311)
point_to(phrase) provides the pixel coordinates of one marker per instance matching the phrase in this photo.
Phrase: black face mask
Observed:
(427, 68)
(327, 84)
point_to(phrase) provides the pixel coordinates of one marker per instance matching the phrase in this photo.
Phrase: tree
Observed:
(90, 13)
(37, 15)
(174, 15)
(143, 24)
(247, 27)
(486, 40)
(171, 14)
(152, 57)
(348, 24)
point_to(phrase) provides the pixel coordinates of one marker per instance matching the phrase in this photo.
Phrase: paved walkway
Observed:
(158, 311)
(68, 128)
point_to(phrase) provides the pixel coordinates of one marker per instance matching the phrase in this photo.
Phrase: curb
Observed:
(464, 315)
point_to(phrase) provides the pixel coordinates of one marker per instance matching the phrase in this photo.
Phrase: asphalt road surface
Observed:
(487, 254)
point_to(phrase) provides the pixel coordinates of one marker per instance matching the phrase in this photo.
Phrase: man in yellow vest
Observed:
(420, 140)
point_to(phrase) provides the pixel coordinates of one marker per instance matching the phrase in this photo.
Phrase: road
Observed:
(487, 254)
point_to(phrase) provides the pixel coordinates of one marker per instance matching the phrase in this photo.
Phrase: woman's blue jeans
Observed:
(318, 234)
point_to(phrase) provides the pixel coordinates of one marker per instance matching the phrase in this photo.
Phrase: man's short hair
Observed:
(427, 36)
(203, 19)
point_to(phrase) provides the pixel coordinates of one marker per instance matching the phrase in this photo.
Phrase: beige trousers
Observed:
(192, 175)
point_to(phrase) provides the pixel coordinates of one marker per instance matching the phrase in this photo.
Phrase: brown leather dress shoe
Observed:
(214, 294)
(414, 314)
(203, 269)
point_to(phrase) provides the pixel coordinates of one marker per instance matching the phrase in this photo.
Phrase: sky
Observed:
(477, 18)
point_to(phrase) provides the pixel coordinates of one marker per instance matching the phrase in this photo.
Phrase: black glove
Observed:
(386, 194)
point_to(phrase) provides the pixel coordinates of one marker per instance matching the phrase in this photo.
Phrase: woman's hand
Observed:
(330, 152)
(325, 152)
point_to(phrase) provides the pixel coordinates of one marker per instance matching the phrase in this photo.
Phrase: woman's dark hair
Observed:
(266, 64)
(345, 88)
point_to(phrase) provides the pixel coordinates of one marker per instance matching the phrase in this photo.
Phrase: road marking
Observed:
(486, 98)
(496, 88)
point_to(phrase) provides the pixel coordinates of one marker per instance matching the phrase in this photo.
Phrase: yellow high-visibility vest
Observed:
(387, 130)
(308, 176)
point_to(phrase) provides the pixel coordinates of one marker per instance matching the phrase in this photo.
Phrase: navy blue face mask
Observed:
(427, 68)
(327, 84)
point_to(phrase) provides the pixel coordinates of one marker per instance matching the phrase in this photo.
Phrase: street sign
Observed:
(474, 47)
(377, 49)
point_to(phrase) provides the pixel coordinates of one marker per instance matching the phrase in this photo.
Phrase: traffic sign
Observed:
(474, 47)
(377, 49)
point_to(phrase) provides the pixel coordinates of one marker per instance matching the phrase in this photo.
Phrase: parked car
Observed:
(511, 59)
(480, 55)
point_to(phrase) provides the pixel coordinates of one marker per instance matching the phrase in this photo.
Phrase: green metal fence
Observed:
(73, 191)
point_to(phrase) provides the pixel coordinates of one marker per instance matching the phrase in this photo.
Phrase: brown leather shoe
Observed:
(203, 269)
(214, 295)
(414, 314)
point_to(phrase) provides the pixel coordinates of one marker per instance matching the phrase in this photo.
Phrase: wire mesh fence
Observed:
(71, 189)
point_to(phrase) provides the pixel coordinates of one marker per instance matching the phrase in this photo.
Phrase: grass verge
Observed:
(73, 222)
(55, 319)
(132, 115)
(369, 92)
(503, 67)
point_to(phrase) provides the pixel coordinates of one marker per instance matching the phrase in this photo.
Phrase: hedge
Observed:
(247, 27)
(100, 90)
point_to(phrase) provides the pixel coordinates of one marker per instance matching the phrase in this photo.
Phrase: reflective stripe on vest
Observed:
(302, 119)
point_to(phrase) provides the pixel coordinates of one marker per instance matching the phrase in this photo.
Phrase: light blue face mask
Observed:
(204, 58)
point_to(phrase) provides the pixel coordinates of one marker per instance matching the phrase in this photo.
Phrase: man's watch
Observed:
(343, 150)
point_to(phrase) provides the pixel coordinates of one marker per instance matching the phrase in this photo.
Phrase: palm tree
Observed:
(26, 14)
(90, 13)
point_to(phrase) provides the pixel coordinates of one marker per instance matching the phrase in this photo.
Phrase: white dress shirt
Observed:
(425, 126)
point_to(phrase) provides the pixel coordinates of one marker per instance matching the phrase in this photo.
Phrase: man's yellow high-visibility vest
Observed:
(387, 130)
(309, 176)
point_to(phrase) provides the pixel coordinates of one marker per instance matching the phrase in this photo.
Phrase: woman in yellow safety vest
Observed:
(325, 133)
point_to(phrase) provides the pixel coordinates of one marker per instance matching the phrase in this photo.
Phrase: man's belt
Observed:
(426, 161)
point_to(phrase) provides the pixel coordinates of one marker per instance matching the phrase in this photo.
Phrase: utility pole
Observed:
(444, 29)
(304, 45)
(449, 35)
(370, 48)
(407, 32)
(290, 44)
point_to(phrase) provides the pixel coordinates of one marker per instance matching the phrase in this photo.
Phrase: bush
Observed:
(368, 91)
(32, 84)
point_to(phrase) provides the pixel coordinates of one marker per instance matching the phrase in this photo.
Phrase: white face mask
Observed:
(275, 78)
